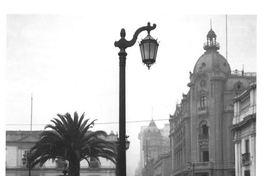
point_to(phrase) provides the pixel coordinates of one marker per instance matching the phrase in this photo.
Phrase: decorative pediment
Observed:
(203, 144)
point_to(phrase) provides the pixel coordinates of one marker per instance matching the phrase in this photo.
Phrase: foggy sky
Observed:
(69, 63)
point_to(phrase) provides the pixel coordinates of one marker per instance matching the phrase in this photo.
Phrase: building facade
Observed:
(200, 129)
(244, 128)
(153, 143)
(162, 167)
(20, 142)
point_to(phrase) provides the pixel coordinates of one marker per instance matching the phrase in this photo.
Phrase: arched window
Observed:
(203, 141)
(203, 130)
(203, 102)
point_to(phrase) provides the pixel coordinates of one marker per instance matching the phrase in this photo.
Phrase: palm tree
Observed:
(70, 140)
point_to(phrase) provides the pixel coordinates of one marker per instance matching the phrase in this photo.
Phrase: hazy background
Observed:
(68, 62)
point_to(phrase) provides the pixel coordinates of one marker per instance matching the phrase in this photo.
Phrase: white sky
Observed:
(69, 62)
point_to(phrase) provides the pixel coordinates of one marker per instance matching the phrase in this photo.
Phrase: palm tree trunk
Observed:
(74, 168)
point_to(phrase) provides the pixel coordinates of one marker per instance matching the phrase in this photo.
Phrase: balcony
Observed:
(203, 136)
(202, 110)
(203, 140)
(243, 113)
(203, 165)
(246, 159)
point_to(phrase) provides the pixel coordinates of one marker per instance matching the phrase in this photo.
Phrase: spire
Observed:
(152, 112)
(211, 43)
(152, 123)
(211, 34)
(31, 111)
(226, 37)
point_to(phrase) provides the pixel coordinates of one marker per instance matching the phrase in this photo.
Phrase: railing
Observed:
(203, 110)
(242, 73)
(203, 165)
(203, 136)
(211, 45)
(244, 109)
(246, 159)
(239, 116)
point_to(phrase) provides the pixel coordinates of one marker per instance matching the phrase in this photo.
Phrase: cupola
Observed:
(211, 43)
(211, 60)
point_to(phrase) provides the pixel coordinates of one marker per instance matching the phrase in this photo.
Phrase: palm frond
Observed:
(80, 121)
(90, 125)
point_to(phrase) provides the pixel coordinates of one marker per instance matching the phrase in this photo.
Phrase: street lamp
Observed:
(148, 48)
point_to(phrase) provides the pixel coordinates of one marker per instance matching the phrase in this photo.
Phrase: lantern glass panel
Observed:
(152, 50)
(146, 49)
(156, 50)
(142, 51)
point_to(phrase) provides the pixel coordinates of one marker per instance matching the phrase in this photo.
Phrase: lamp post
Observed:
(148, 48)
(117, 146)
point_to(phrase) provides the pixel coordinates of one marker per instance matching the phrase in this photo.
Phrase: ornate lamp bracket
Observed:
(122, 43)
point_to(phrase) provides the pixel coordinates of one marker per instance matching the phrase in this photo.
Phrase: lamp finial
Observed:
(123, 33)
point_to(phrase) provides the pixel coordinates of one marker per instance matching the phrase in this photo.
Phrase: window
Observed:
(203, 102)
(246, 146)
(247, 173)
(24, 156)
(204, 130)
(205, 156)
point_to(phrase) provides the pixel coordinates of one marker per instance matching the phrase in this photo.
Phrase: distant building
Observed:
(162, 167)
(244, 128)
(200, 129)
(19, 142)
(153, 143)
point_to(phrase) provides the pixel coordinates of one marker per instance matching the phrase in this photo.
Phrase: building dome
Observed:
(211, 60)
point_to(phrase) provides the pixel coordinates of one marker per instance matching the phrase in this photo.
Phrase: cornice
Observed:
(248, 119)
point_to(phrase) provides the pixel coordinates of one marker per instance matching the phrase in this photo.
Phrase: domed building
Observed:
(200, 128)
